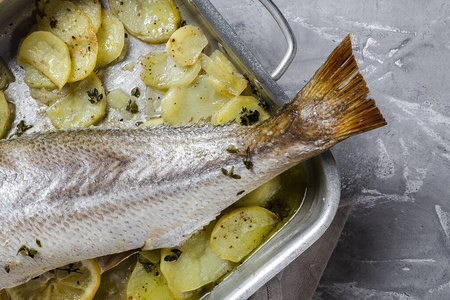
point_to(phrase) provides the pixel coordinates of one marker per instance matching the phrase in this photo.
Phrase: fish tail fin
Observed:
(337, 95)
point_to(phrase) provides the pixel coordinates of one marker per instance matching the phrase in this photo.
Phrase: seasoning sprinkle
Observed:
(249, 117)
(21, 128)
(136, 92)
(176, 255)
(230, 173)
(94, 96)
(27, 251)
(132, 107)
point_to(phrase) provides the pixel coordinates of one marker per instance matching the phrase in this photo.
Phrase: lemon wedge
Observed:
(74, 281)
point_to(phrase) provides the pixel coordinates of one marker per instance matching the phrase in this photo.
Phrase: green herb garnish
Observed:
(174, 257)
(279, 207)
(240, 193)
(232, 149)
(136, 92)
(27, 251)
(246, 160)
(230, 173)
(8, 268)
(38, 242)
(94, 97)
(21, 128)
(249, 117)
(148, 265)
(132, 107)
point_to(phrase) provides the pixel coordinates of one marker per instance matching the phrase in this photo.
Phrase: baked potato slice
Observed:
(186, 44)
(152, 21)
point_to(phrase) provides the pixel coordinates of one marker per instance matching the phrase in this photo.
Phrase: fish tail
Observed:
(337, 97)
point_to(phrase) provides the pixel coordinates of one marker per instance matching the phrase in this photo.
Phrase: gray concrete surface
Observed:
(395, 244)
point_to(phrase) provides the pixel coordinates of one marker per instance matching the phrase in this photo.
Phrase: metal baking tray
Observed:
(322, 196)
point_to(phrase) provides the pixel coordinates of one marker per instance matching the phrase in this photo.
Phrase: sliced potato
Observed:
(240, 231)
(244, 109)
(6, 76)
(122, 102)
(199, 100)
(5, 116)
(72, 25)
(152, 21)
(84, 105)
(111, 39)
(48, 54)
(227, 78)
(147, 282)
(93, 9)
(35, 78)
(160, 71)
(196, 265)
(48, 96)
(186, 44)
(262, 195)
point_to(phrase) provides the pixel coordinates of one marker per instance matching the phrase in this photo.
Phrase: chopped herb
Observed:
(132, 107)
(21, 128)
(27, 251)
(136, 92)
(240, 193)
(137, 124)
(38, 242)
(148, 265)
(249, 117)
(94, 97)
(246, 160)
(174, 257)
(232, 149)
(230, 173)
(183, 23)
(70, 269)
(8, 268)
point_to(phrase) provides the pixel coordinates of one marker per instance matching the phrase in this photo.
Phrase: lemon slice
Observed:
(74, 281)
(5, 115)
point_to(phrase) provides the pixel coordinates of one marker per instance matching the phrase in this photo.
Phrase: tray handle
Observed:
(288, 34)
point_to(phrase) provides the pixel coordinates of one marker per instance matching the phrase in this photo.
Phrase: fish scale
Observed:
(94, 192)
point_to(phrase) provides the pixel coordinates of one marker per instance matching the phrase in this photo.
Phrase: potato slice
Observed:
(6, 76)
(152, 21)
(93, 9)
(240, 231)
(160, 71)
(225, 75)
(111, 39)
(186, 44)
(48, 54)
(262, 195)
(84, 105)
(147, 281)
(5, 116)
(199, 100)
(196, 265)
(35, 78)
(72, 25)
(244, 109)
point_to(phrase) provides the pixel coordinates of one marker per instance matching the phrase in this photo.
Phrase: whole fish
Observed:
(71, 195)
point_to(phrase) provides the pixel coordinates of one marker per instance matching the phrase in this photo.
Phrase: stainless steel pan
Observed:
(323, 184)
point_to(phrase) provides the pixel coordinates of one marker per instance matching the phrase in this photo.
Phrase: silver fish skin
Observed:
(74, 195)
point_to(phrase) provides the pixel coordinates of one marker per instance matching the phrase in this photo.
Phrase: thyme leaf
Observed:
(176, 255)
(249, 117)
(94, 96)
(38, 242)
(136, 92)
(230, 173)
(132, 107)
(148, 265)
(8, 268)
(27, 251)
(21, 128)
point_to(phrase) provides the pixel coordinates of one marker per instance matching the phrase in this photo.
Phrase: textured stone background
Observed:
(395, 244)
